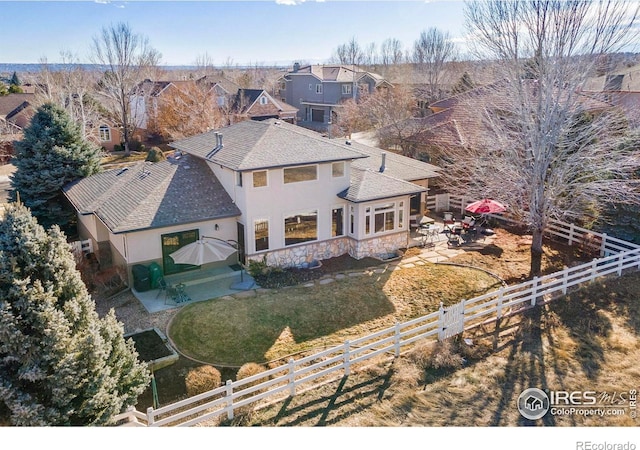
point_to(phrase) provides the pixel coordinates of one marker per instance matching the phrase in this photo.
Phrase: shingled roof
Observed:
(153, 195)
(367, 185)
(252, 145)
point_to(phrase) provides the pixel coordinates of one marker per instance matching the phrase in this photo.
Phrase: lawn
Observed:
(282, 322)
(586, 341)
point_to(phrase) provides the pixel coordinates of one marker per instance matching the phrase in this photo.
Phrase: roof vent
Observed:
(347, 142)
(384, 160)
(121, 171)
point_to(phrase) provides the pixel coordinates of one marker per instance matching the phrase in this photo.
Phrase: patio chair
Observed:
(162, 287)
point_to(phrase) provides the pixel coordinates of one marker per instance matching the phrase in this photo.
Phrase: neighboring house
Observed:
(16, 111)
(146, 98)
(317, 90)
(462, 121)
(257, 104)
(286, 194)
(223, 89)
(107, 135)
(621, 88)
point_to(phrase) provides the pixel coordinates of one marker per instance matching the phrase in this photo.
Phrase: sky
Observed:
(267, 32)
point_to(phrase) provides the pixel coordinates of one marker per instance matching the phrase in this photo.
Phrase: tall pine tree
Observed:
(60, 363)
(51, 154)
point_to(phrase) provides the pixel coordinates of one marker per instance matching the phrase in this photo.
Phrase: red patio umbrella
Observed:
(486, 206)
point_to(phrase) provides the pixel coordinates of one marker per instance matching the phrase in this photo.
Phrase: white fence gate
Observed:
(451, 320)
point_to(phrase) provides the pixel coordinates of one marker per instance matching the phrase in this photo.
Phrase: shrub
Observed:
(155, 155)
(202, 379)
(250, 369)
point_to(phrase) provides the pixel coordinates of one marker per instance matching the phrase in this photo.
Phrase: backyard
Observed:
(296, 320)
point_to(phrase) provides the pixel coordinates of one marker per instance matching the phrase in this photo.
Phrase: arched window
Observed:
(105, 133)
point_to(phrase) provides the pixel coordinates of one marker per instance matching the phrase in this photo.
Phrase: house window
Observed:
(261, 229)
(318, 89)
(301, 227)
(367, 221)
(105, 133)
(337, 169)
(172, 242)
(401, 215)
(352, 220)
(301, 173)
(384, 217)
(310, 86)
(346, 89)
(337, 222)
(260, 178)
(414, 205)
(263, 100)
(239, 179)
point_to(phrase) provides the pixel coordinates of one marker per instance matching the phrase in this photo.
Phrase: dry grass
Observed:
(282, 322)
(589, 340)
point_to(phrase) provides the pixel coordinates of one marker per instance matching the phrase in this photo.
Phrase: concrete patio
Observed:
(199, 285)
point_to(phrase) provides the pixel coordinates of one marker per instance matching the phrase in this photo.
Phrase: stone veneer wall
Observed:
(304, 254)
(378, 247)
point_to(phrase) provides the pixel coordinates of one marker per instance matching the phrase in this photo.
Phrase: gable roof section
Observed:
(252, 145)
(367, 185)
(12, 104)
(254, 109)
(338, 73)
(397, 166)
(153, 195)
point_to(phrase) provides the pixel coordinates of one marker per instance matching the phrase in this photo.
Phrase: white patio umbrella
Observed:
(203, 251)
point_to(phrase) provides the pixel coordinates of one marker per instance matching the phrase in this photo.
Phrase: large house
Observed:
(257, 104)
(287, 195)
(318, 90)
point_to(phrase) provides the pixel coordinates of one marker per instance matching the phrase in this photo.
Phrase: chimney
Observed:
(219, 141)
(384, 160)
(296, 67)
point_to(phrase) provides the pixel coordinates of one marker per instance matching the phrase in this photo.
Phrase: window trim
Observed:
(315, 212)
(106, 129)
(263, 100)
(284, 181)
(347, 89)
(344, 171)
(319, 88)
(255, 239)
(266, 179)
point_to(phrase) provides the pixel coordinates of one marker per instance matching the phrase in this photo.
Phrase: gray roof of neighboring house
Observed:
(252, 145)
(367, 185)
(11, 104)
(338, 73)
(397, 166)
(153, 195)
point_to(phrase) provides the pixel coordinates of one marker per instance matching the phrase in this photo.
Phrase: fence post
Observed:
(292, 378)
(500, 295)
(441, 322)
(534, 291)
(603, 246)
(229, 395)
(565, 279)
(396, 341)
(150, 416)
(594, 268)
(346, 359)
(620, 261)
(571, 231)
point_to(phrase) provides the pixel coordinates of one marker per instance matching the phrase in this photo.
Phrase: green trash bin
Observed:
(155, 273)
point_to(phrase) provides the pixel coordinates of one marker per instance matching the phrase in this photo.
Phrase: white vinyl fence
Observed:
(285, 380)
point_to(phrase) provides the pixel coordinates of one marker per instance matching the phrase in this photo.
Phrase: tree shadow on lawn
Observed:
(232, 331)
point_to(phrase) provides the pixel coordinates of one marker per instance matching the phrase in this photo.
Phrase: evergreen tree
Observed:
(60, 364)
(51, 154)
(464, 84)
(15, 81)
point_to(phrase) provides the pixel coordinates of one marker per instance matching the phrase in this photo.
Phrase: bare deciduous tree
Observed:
(127, 57)
(349, 53)
(391, 52)
(549, 152)
(431, 51)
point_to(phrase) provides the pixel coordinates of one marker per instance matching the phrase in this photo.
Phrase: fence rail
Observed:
(617, 256)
